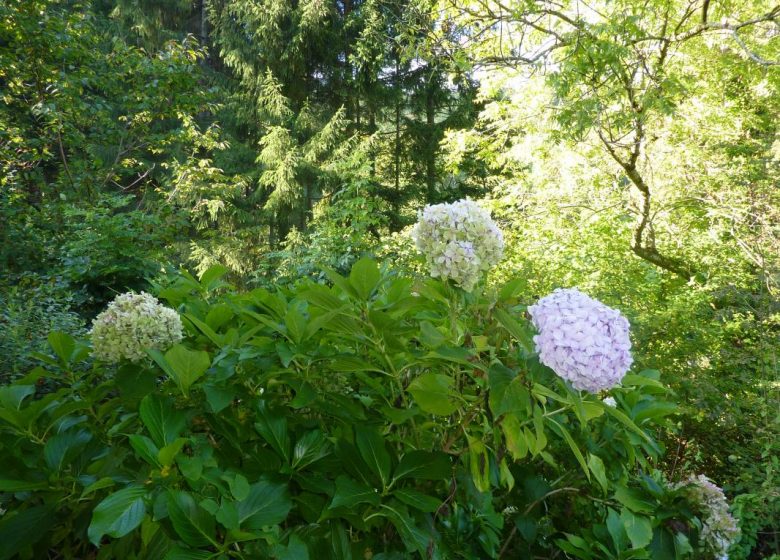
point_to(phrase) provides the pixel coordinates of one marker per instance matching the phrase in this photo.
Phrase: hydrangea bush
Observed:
(581, 339)
(719, 528)
(460, 241)
(375, 417)
(132, 324)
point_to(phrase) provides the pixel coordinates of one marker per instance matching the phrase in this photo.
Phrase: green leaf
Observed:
(186, 365)
(633, 500)
(626, 421)
(192, 523)
(514, 437)
(573, 446)
(227, 515)
(63, 346)
(508, 394)
(413, 537)
(638, 528)
(180, 553)
(24, 528)
(364, 277)
(418, 500)
(424, 465)
(61, 449)
(430, 336)
(520, 333)
(145, 448)
(267, 503)
(163, 421)
(134, 382)
(167, 455)
(616, 530)
(218, 398)
(295, 323)
(308, 449)
(433, 394)
(217, 339)
(7, 485)
(210, 278)
(341, 282)
(350, 493)
(295, 549)
(273, 427)
(118, 514)
(372, 449)
(596, 466)
(479, 464)
(105, 482)
(11, 396)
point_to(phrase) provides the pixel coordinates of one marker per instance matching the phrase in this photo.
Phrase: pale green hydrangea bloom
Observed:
(460, 241)
(719, 528)
(132, 324)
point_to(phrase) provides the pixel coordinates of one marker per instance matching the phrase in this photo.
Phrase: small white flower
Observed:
(132, 324)
(609, 401)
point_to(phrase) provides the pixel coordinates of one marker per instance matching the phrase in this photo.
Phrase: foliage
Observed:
(381, 415)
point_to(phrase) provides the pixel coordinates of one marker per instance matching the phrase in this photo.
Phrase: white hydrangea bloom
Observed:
(131, 324)
(610, 401)
(460, 241)
(719, 528)
(581, 339)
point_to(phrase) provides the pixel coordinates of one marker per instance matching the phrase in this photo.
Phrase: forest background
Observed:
(628, 147)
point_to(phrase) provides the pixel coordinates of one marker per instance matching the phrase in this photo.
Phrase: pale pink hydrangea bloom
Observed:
(460, 241)
(581, 339)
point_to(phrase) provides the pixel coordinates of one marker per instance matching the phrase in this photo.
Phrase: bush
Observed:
(29, 309)
(380, 417)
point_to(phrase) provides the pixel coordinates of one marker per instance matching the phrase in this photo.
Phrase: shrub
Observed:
(381, 416)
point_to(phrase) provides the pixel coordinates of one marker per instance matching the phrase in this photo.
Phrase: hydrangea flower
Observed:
(132, 324)
(719, 528)
(460, 241)
(581, 339)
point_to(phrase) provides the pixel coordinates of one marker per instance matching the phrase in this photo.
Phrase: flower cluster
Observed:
(460, 241)
(581, 339)
(719, 528)
(131, 324)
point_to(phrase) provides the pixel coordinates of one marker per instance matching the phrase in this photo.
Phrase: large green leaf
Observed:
(24, 528)
(267, 503)
(573, 446)
(11, 396)
(372, 449)
(424, 465)
(519, 331)
(350, 493)
(638, 528)
(508, 393)
(118, 514)
(163, 421)
(272, 425)
(63, 345)
(364, 277)
(433, 394)
(61, 449)
(186, 365)
(192, 523)
(417, 500)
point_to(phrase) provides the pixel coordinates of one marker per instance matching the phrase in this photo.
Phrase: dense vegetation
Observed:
(258, 165)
